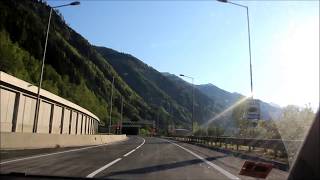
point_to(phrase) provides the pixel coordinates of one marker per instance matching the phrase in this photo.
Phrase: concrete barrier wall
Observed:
(56, 115)
(9, 140)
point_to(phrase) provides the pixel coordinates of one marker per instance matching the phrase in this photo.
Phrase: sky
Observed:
(208, 40)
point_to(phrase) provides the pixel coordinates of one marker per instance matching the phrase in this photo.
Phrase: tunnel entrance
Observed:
(130, 130)
(133, 127)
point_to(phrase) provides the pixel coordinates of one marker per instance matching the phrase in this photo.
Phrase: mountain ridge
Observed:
(83, 73)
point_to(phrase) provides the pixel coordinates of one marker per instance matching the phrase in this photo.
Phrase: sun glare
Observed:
(224, 112)
(297, 54)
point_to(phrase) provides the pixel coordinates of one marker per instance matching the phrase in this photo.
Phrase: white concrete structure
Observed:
(56, 115)
(11, 141)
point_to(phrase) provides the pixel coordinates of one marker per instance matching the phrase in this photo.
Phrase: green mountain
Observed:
(208, 108)
(73, 68)
(83, 73)
(223, 97)
(160, 90)
(268, 111)
(76, 71)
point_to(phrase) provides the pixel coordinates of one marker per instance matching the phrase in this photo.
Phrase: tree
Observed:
(215, 130)
(295, 122)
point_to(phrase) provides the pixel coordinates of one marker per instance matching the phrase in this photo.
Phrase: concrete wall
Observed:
(56, 115)
(25, 119)
(7, 107)
(9, 140)
(56, 120)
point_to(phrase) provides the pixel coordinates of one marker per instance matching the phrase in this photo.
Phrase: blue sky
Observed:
(208, 40)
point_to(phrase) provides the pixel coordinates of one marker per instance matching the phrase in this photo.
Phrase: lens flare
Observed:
(225, 111)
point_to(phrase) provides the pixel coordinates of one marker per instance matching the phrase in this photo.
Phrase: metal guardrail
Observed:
(276, 145)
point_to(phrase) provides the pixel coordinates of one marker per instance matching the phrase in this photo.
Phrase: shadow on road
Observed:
(162, 167)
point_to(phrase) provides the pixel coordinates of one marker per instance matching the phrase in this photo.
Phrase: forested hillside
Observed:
(82, 73)
(160, 90)
(268, 112)
(76, 71)
(73, 70)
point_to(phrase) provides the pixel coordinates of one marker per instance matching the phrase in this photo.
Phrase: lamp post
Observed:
(121, 115)
(249, 39)
(111, 104)
(192, 120)
(36, 117)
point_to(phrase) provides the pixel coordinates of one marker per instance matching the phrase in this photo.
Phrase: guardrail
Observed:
(278, 146)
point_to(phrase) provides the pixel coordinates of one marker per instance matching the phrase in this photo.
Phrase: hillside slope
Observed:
(159, 90)
(268, 111)
(82, 73)
(73, 69)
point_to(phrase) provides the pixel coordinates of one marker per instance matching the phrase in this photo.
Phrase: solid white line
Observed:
(91, 175)
(140, 144)
(49, 154)
(224, 172)
(103, 168)
(129, 152)
(135, 148)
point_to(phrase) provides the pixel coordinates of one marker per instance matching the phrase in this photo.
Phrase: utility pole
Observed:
(192, 118)
(121, 115)
(111, 104)
(36, 116)
(249, 39)
(158, 123)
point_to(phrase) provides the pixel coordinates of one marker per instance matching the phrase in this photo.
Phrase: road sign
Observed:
(256, 169)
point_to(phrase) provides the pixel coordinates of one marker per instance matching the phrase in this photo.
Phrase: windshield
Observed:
(160, 89)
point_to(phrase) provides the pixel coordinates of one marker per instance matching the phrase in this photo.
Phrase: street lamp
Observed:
(36, 117)
(122, 99)
(121, 115)
(192, 120)
(249, 39)
(111, 104)
(253, 112)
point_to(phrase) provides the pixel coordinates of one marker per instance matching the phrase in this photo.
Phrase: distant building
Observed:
(182, 132)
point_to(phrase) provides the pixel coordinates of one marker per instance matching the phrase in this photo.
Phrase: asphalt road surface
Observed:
(136, 158)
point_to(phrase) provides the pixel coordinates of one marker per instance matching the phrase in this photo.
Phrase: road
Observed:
(135, 158)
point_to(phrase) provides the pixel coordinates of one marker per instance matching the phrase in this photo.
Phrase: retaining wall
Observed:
(9, 140)
(56, 115)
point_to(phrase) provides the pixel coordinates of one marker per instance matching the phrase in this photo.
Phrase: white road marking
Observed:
(135, 148)
(103, 168)
(224, 172)
(91, 175)
(49, 154)
(129, 152)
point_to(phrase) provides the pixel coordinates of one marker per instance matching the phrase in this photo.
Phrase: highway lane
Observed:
(75, 163)
(161, 159)
(137, 158)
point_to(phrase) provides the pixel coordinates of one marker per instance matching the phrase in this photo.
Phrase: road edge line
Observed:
(218, 168)
(49, 154)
